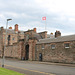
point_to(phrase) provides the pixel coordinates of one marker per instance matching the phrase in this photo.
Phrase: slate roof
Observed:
(37, 35)
(58, 39)
(11, 31)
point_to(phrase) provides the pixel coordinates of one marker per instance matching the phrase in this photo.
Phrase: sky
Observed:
(60, 15)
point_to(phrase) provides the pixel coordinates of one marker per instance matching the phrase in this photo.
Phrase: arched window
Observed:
(8, 38)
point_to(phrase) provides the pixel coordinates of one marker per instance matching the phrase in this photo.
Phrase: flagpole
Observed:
(44, 18)
(45, 25)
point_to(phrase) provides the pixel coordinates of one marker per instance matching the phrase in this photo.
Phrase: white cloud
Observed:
(28, 13)
(2, 16)
(17, 15)
(54, 6)
(72, 19)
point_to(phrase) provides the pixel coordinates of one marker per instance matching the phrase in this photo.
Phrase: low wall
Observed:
(13, 51)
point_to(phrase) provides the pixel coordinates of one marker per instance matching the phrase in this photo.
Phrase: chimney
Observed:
(57, 33)
(34, 30)
(2, 28)
(10, 27)
(16, 28)
(51, 35)
(45, 34)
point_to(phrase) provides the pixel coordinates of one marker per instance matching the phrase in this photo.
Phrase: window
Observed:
(67, 45)
(53, 46)
(43, 46)
(12, 38)
(8, 37)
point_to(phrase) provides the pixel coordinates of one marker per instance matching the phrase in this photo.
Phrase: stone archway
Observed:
(27, 52)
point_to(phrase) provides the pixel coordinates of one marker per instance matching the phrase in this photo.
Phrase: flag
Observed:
(43, 18)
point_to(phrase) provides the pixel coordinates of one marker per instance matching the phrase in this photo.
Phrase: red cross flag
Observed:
(43, 18)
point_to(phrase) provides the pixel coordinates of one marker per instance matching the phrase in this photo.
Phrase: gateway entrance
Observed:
(27, 52)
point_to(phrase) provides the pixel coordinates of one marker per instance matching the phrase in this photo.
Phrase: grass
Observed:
(4, 71)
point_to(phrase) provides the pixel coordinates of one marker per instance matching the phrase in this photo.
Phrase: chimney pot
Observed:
(57, 33)
(51, 33)
(2, 28)
(16, 28)
(10, 27)
(35, 30)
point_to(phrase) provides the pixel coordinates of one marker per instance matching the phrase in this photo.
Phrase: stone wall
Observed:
(32, 44)
(43, 34)
(59, 54)
(13, 38)
(1, 44)
(14, 51)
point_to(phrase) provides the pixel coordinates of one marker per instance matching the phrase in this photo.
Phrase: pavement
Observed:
(41, 62)
(29, 67)
(25, 71)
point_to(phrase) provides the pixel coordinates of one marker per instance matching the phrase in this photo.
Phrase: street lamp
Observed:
(5, 42)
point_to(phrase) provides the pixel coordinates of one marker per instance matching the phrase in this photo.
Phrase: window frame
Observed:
(52, 46)
(43, 46)
(13, 38)
(67, 46)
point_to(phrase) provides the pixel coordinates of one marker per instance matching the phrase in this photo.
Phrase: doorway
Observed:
(27, 52)
(40, 56)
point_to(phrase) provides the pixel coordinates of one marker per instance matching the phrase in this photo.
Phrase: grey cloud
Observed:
(27, 12)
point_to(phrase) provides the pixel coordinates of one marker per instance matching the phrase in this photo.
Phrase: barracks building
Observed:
(30, 45)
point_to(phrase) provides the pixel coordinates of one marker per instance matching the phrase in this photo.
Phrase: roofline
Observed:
(27, 31)
(42, 32)
(54, 42)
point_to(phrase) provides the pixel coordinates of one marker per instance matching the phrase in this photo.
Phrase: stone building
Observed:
(13, 36)
(19, 44)
(30, 45)
(58, 49)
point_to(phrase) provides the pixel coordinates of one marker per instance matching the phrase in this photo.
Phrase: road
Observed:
(34, 68)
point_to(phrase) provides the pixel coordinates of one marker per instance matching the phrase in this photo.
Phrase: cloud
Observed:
(72, 19)
(17, 15)
(57, 5)
(28, 14)
(2, 16)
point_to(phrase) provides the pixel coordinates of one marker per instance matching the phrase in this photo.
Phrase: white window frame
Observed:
(13, 38)
(43, 46)
(53, 47)
(67, 46)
